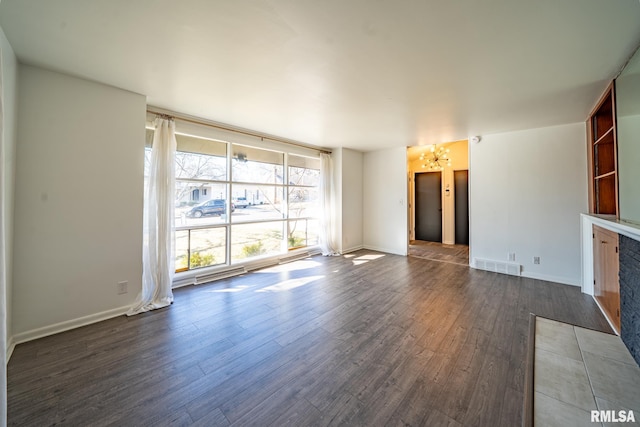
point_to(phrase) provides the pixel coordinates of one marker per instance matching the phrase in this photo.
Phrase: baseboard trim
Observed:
(562, 280)
(11, 345)
(385, 250)
(353, 249)
(56, 328)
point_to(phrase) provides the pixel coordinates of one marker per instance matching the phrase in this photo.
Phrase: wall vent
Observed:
(294, 257)
(498, 266)
(206, 278)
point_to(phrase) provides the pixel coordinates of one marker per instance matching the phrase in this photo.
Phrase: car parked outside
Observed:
(210, 207)
(241, 202)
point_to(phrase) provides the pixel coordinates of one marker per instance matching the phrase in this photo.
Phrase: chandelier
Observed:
(436, 158)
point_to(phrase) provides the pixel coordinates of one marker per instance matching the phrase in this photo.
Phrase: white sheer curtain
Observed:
(327, 225)
(157, 256)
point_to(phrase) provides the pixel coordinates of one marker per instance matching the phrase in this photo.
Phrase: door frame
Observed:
(453, 195)
(412, 203)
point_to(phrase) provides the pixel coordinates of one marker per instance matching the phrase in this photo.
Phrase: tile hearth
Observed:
(578, 370)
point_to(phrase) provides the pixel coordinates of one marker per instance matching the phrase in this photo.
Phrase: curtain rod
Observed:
(204, 122)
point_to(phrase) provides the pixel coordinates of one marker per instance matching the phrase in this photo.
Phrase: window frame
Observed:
(228, 222)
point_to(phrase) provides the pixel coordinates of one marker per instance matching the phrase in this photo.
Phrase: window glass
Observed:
(304, 171)
(208, 247)
(254, 240)
(195, 157)
(182, 250)
(257, 202)
(200, 203)
(257, 166)
(264, 208)
(303, 202)
(301, 233)
(200, 166)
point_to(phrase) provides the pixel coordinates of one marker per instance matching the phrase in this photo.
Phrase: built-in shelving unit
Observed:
(603, 156)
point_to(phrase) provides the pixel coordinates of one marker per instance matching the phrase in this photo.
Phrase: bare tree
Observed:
(198, 166)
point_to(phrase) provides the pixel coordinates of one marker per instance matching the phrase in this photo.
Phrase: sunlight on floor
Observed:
(366, 258)
(287, 285)
(228, 290)
(292, 266)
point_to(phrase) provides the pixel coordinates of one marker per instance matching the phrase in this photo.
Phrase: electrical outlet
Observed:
(512, 256)
(123, 287)
(536, 260)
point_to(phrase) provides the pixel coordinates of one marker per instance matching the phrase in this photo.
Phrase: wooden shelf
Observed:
(608, 133)
(605, 175)
(603, 156)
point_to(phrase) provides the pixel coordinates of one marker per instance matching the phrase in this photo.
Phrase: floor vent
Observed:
(295, 257)
(498, 266)
(206, 278)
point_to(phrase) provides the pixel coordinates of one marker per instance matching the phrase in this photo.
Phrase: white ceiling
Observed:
(363, 74)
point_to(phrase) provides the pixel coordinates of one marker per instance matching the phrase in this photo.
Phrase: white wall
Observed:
(526, 192)
(385, 192)
(352, 199)
(9, 84)
(628, 167)
(79, 196)
(348, 199)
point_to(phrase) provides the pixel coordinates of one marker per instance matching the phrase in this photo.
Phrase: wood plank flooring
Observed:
(363, 339)
(457, 254)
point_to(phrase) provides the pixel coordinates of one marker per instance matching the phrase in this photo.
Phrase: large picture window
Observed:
(236, 202)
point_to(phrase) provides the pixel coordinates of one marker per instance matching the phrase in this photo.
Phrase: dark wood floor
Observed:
(457, 254)
(364, 339)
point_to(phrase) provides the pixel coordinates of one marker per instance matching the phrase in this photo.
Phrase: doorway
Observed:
(428, 206)
(461, 206)
(438, 208)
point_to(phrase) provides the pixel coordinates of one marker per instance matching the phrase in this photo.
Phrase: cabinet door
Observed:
(605, 272)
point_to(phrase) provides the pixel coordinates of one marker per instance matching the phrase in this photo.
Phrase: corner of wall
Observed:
(8, 128)
(337, 156)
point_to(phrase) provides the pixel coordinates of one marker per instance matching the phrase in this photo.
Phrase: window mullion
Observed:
(229, 198)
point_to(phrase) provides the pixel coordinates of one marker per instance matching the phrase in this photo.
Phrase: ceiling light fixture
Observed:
(436, 158)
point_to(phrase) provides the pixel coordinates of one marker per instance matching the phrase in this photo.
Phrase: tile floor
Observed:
(578, 370)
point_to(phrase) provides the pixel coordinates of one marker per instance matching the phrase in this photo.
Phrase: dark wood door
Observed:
(606, 266)
(428, 195)
(461, 200)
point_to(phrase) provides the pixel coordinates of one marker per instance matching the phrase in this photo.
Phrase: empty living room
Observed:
(318, 213)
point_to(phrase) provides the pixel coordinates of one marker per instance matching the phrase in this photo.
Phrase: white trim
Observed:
(11, 345)
(352, 249)
(604, 313)
(548, 278)
(385, 250)
(625, 228)
(68, 325)
(186, 278)
(109, 314)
